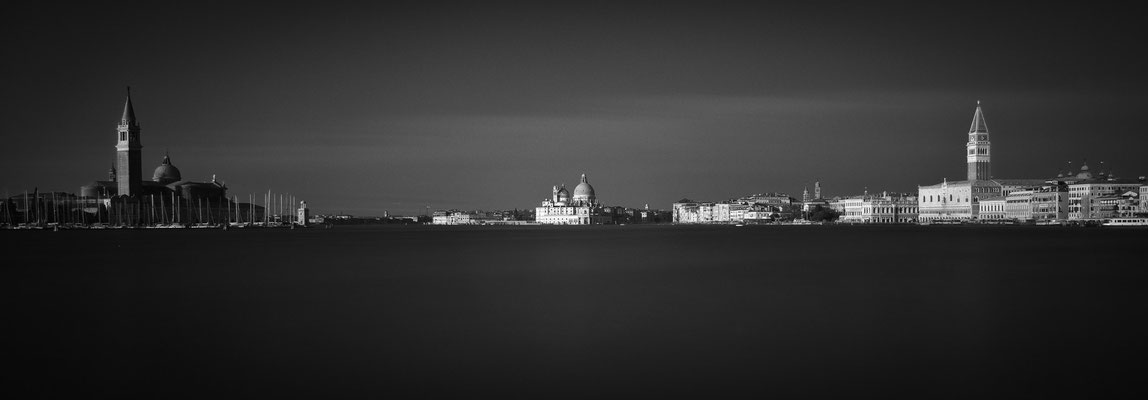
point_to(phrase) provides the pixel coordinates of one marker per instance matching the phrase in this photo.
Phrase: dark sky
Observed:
(487, 105)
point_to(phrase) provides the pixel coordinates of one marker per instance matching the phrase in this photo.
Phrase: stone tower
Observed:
(129, 173)
(817, 190)
(978, 147)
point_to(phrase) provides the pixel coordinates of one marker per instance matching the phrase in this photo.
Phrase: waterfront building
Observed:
(849, 209)
(685, 211)
(304, 214)
(729, 212)
(1143, 195)
(721, 212)
(1018, 206)
(1086, 193)
(992, 209)
(582, 208)
(1044, 204)
(456, 217)
(896, 208)
(646, 215)
(706, 213)
(738, 212)
(1126, 205)
(1049, 203)
(759, 214)
(784, 206)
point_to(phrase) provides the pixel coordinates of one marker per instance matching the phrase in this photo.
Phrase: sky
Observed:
(399, 107)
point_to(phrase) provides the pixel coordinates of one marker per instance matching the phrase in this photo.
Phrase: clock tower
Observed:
(977, 149)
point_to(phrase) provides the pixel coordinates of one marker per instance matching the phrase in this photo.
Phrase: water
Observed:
(922, 312)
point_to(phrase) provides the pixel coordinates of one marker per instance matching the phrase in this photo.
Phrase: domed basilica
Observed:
(581, 209)
(126, 176)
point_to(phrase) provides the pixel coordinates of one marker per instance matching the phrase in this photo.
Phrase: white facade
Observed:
(303, 214)
(948, 202)
(570, 215)
(1143, 203)
(992, 209)
(1018, 205)
(582, 209)
(721, 213)
(883, 209)
(454, 217)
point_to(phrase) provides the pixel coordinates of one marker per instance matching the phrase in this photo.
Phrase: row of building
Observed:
(1070, 197)
(866, 208)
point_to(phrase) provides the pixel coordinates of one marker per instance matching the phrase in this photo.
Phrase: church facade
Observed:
(580, 209)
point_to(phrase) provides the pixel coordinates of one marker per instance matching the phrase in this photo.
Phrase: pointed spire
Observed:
(129, 117)
(978, 125)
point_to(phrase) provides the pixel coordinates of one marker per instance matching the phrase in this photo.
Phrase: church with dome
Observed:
(126, 178)
(582, 208)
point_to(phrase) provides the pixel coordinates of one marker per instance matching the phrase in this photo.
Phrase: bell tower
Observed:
(129, 172)
(977, 149)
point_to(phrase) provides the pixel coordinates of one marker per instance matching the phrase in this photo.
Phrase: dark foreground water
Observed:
(920, 312)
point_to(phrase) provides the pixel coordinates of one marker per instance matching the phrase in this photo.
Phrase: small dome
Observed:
(1084, 173)
(166, 173)
(563, 194)
(584, 192)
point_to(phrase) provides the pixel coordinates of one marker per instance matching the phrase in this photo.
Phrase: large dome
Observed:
(166, 173)
(584, 193)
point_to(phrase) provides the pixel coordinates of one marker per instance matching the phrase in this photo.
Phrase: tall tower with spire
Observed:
(977, 148)
(129, 173)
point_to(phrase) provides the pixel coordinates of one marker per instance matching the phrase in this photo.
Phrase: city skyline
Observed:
(400, 107)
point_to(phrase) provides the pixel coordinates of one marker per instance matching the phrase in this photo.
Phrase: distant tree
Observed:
(823, 214)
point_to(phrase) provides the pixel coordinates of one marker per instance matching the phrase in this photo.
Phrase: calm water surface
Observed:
(921, 312)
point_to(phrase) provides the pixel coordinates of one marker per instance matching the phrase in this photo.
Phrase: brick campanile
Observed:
(129, 173)
(978, 155)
